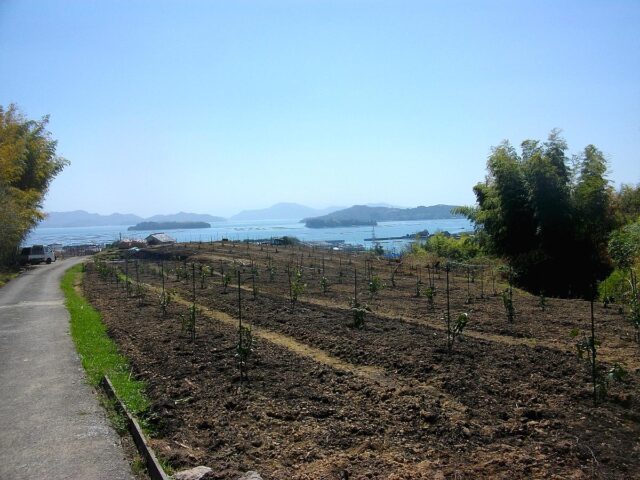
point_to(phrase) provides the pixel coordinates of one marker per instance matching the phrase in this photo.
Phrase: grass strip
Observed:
(5, 276)
(98, 353)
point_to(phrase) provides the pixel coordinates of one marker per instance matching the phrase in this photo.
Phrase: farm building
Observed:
(127, 243)
(159, 239)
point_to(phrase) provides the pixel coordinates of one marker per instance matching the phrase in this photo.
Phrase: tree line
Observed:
(28, 164)
(551, 215)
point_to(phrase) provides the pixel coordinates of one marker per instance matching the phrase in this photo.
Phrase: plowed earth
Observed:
(325, 400)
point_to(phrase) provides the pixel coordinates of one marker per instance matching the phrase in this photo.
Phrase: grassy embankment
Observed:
(99, 354)
(5, 276)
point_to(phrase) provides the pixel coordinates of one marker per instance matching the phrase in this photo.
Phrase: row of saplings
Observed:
(587, 345)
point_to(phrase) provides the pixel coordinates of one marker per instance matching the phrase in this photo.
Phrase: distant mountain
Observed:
(365, 215)
(283, 211)
(383, 205)
(80, 218)
(185, 217)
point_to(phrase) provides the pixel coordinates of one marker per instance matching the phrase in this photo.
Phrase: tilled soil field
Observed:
(327, 400)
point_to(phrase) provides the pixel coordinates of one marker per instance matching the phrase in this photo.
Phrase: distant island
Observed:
(360, 215)
(156, 226)
(81, 218)
(185, 217)
(321, 222)
(282, 211)
(290, 211)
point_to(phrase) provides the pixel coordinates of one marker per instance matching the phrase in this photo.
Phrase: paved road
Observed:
(51, 425)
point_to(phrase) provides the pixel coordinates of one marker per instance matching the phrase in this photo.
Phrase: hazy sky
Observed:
(218, 106)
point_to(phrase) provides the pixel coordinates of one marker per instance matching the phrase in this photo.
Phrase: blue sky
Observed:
(218, 106)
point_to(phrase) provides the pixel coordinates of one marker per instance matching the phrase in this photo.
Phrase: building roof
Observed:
(161, 238)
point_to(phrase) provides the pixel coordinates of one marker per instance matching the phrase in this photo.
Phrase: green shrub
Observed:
(375, 286)
(286, 240)
(359, 312)
(615, 288)
(296, 286)
(624, 246)
(457, 329)
(457, 249)
(430, 293)
(324, 283)
(226, 280)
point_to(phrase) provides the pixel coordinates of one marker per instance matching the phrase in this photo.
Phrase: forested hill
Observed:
(364, 215)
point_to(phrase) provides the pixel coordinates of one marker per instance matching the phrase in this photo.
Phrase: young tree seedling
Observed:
(375, 286)
(272, 273)
(634, 304)
(203, 276)
(507, 301)
(189, 322)
(359, 312)
(126, 275)
(226, 280)
(324, 283)
(254, 289)
(457, 329)
(430, 293)
(589, 345)
(296, 286)
(507, 297)
(244, 350)
(542, 302)
(165, 301)
(193, 282)
(393, 275)
(447, 268)
(139, 291)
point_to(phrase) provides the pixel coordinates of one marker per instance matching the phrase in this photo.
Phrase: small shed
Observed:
(127, 243)
(159, 239)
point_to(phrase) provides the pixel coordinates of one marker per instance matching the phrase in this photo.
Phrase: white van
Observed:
(37, 254)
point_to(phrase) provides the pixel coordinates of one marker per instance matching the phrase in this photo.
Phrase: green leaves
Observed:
(324, 283)
(585, 345)
(375, 286)
(624, 245)
(189, 322)
(457, 249)
(430, 293)
(460, 324)
(455, 330)
(542, 302)
(298, 287)
(28, 163)
(548, 219)
(165, 301)
(226, 280)
(359, 312)
(507, 301)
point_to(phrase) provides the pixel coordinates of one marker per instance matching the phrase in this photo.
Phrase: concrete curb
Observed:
(153, 466)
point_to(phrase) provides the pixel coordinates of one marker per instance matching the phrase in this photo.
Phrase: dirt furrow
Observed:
(367, 372)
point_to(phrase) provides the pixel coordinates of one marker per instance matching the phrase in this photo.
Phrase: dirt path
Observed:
(51, 422)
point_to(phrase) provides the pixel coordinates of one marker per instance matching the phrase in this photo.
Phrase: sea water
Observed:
(255, 230)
